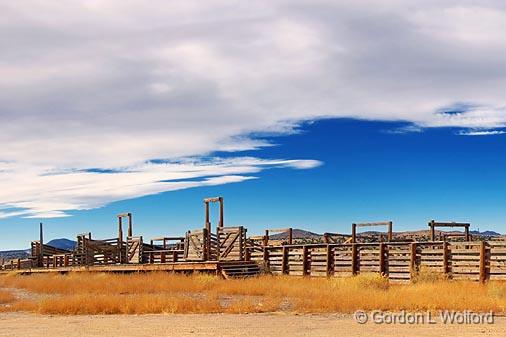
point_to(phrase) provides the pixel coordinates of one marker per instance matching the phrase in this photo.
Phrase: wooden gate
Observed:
(196, 246)
(231, 243)
(134, 250)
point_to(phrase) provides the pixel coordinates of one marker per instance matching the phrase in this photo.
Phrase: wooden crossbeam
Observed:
(354, 226)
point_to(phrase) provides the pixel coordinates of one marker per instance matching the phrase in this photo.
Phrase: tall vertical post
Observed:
(41, 240)
(390, 233)
(432, 231)
(266, 238)
(120, 228)
(130, 229)
(290, 236)
(221, 224)
(120, 239)
(467, 232)
(207, 224)
(353, 232)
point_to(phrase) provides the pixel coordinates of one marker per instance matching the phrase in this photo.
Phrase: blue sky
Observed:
(300, 113)
(370, 171)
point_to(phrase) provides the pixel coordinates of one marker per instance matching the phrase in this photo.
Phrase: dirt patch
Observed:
(265, 325)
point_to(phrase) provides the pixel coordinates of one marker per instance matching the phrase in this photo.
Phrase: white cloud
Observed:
(111, 84)
(481, 132)
(54, 194)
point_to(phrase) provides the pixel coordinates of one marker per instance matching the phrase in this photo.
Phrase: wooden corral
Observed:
(229, 252)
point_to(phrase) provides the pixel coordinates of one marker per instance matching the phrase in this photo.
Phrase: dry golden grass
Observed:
(81, 293)
(6, 297)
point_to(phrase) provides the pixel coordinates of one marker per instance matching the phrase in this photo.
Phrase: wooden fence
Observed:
(400, 261)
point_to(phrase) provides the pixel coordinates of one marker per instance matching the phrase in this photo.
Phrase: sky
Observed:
(311, 114)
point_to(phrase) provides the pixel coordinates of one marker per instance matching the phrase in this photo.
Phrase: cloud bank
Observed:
(113, 85)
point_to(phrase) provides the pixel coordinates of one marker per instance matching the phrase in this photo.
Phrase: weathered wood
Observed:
(305, 260)
(445, 257)
(483, 257)
(354, 261)
(284, 261)
(382, 258)
(412, 262)
(330, 261)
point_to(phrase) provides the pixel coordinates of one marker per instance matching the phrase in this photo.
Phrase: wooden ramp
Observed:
(239, 269)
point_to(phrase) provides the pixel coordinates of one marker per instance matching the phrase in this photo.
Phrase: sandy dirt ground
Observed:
(265, 325)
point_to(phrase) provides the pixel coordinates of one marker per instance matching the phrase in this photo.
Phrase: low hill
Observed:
(296, 234)
(62, 244)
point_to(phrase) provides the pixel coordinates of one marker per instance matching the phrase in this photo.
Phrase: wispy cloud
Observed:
(54, 195)
(405, 129)
(481, 132)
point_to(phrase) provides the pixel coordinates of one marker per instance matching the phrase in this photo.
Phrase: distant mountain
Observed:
(25, 253)
(296, 234)
(62, 244)
(15, 254)
(485, 233)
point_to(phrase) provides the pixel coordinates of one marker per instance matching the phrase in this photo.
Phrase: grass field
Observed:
(82, 293)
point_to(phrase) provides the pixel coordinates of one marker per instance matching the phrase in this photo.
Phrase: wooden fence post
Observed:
(242, 237)
(483, 258)
(432, 231)
(412, 264)
(382, 258)
(266, 256)
(354, 259)
(284, 261)
(206, 242)
(305, 260)
(445, 257)
(330, 260)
